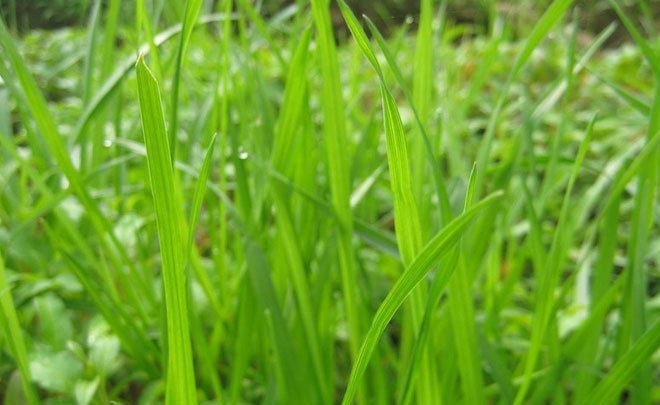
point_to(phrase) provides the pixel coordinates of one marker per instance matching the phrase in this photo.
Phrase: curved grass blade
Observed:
(439, 246)
(180, 373)
(435, 293)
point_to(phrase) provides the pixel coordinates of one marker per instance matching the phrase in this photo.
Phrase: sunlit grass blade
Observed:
(180, 372)
(13, 335)
(437, 247)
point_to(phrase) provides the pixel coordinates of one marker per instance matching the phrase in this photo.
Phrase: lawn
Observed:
(207, 202)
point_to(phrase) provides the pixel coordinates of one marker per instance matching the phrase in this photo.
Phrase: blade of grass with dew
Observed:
(552, 15)
(14, 336)
(437, 247)
(189, 21)
(180, 372)
(548, 275)
(336, 139)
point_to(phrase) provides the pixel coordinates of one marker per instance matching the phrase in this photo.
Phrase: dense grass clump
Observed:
(207, 204)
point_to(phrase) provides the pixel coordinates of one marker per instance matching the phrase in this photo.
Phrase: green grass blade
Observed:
(295, 390)
(438, 180)
(651, 56)
(180, 372)
(336, 139)
(48, 128)
(462, 314)
(437, 247)
(408, 229)
(288, 123)
(189, 20)
(552, 15)
(548, 275)
(198, 195)
(609, 388)
(14, 335)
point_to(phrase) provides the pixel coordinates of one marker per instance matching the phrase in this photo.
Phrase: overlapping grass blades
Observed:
(438, 246)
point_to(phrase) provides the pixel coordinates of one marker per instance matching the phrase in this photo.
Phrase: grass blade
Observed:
(180, 372)
(437, 247)
(552, 15)
(334, 128)
(549, 273)
(189, 19)
(14, 335)
(625, 369)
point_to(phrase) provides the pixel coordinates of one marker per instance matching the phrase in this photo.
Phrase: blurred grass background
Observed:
(24, 15)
